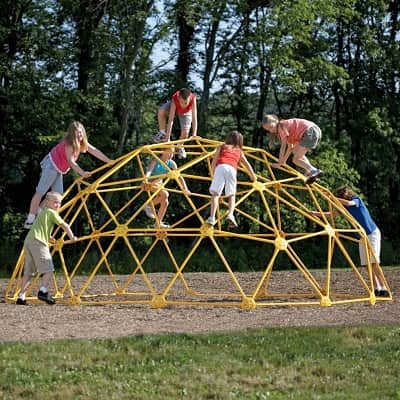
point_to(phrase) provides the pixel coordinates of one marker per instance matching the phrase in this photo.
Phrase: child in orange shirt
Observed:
(224, 169)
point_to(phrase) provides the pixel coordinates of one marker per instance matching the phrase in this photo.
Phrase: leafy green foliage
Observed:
(335, 63)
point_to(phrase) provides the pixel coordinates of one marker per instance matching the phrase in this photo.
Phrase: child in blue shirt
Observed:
(153, 182)
(357, 208)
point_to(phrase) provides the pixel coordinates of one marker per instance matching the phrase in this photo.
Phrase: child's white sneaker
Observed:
(181, 152)
(161, 225)
(231, 221)
(149, 211)
(211, 221)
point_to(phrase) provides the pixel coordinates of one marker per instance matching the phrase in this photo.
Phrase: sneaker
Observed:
(383, 293)
(232, 222)
(149, 211)
(313, 176)
(211, 221)
(45, 297)
(181, 152)
(159, 137)
(28, 225)
(161, 225)
(20, 302)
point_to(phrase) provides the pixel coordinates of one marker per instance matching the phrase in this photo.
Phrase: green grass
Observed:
(294, 363)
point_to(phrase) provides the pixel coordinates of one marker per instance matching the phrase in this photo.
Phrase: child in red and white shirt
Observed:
(183, 103)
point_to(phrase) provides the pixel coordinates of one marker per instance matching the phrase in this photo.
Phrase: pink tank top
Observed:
(58, 157)
(295, 128)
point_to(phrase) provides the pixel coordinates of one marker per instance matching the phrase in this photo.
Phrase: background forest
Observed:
(111, 63)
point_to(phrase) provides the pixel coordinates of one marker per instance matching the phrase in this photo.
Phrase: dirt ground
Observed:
(40, 322)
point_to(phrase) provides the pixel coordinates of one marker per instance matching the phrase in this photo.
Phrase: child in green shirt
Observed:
(36, 247)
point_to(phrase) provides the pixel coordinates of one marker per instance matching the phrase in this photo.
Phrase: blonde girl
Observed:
(58, 162)
(297, 136)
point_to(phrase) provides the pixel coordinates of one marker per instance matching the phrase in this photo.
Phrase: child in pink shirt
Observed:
(297, 136)
(58, 162)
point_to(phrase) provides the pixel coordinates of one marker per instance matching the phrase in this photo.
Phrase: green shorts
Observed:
(311, 137)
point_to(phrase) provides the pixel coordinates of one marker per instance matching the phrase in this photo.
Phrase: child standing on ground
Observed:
(183, 103)
(224, 167)
(38, 259)
(58, 162)
(297, 136)
(153, 182)
(357, 208)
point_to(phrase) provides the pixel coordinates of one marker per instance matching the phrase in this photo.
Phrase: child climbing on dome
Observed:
(224, 167)
(38, 259)
(58, 162)
(183, 103)
(297, 136)
(153, 182)
(357, 208)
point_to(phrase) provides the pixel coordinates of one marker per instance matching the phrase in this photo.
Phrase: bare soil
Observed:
(40, 322)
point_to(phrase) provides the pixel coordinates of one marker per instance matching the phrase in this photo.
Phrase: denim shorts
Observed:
(311, 137)
(49, 178)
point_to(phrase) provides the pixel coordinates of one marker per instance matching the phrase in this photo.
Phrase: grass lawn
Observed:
(291, 363)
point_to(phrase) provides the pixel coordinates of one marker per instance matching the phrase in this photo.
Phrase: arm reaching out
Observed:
(181, 178)
(249, 168)
(68, 230)
(73, 164)
(215, 159)
(171, 117)
(98, 154)
(194, 117)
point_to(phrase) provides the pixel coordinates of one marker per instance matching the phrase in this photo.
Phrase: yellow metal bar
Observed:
(122, 226)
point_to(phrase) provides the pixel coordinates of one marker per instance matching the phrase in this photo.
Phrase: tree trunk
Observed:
(185, 37)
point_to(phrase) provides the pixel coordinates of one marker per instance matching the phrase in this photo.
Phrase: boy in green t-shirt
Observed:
(36, 247)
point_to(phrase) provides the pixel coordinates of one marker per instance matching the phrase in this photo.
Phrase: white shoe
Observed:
(161, 225)
(159, 137)
(149, 211)
(231, 221)
(181, 152)
(211, 221)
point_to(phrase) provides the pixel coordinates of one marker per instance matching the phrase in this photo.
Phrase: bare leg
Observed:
(162, 116)
(214, 204)
(231, 205)
(35, 203)
(46, 277)
(25, 281)
(300, 159)
(163, 200)
(184, 134)
(378, 276)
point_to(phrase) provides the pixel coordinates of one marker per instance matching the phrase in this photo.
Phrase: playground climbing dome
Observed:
(276, 233)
